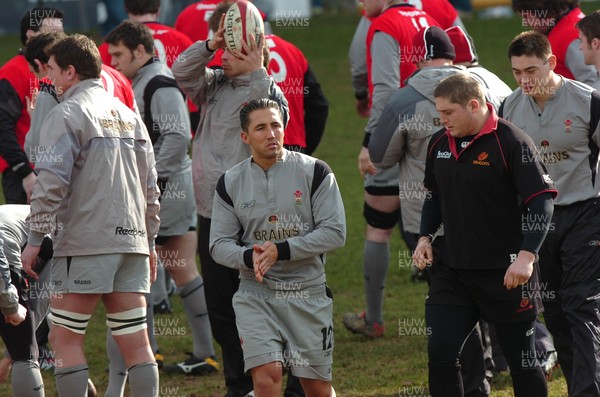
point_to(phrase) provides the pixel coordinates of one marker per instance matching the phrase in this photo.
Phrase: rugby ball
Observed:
(241, 20)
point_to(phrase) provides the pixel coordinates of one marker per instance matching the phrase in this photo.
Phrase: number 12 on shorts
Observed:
(327, 337)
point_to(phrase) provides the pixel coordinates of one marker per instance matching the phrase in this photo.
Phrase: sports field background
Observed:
(395, 365)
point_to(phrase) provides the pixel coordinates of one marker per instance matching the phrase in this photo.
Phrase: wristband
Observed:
(207, 47)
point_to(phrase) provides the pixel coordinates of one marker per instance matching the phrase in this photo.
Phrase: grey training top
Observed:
(296, 204)
(562, 137)
(13, 237)
(170, 112)
(217, 145)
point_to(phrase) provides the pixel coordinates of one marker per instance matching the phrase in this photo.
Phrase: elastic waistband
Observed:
(315, 291)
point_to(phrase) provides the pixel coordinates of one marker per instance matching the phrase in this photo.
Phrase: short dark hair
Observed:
(34, 18)
(131, 34)
(253, 105)
(590, 26)
(554, 7)
(215, 18)
(80, 52)
(141, 7)
(530, 43)
(37, 45)
(460, 88)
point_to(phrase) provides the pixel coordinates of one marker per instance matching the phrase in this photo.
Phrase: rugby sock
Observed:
(143, 379)
(117, 372)
(26, 379)
(158, 289)
(375, 264)
(150, 323)
(72, 381)
(194, 304)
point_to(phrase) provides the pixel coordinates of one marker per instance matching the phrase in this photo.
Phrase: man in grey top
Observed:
(589, 34)
(216, 148)
(558, 114)
(163, 109)
(276, 214)
(105, 247)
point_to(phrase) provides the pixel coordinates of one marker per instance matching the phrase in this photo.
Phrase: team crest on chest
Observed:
(298, 197)
(481, 159)
(568, 124)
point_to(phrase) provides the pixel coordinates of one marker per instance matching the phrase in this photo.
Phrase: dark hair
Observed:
(36, 47)
(78, 51)
(253, 105)
(554, 7)
(460, 88)
(141, 7)
(34, 18)
(131, 34)
(215, 18)
(590, 26)
(530, 43)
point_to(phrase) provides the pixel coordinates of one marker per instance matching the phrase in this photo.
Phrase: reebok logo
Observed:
(443, 155)
(130, 232)
(248, 204)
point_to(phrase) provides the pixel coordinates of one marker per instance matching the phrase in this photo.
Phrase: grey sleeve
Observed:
(574, 60)
(225, 230)
(43, 105)
(53, 176)
(175, 130)
(152, 196)
(358, 58)
(191, 73)
(386, 146)
(275, 93)
(9, 300)
(329, 218)
(385, 74)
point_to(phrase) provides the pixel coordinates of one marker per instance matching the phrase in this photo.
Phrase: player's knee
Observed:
(378, 235)
(127, 322)
(379, 219)
(267, 377)
(72, 321)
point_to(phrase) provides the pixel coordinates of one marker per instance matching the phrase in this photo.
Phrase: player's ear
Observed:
(139, 51)
(552, 61)
(244, 136)
(473, 105)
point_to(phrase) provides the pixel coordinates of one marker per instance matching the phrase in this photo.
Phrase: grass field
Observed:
(395, 365)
